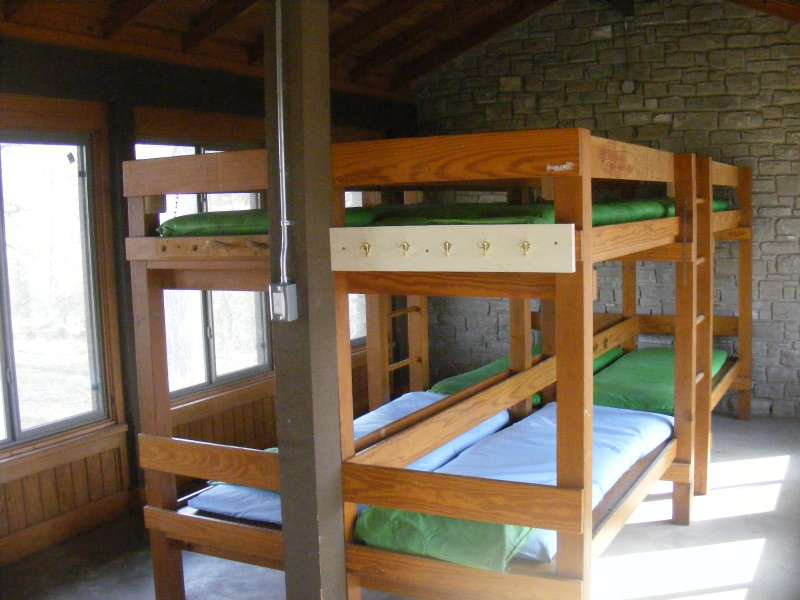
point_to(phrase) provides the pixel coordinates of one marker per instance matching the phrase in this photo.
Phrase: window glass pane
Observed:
(3, 427)
(358, 316)
(176, 204)
(216, 202)
(51, 302)
(183, 316)
(239, 337)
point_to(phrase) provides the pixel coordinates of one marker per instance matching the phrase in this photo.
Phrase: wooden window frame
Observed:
(20, 114)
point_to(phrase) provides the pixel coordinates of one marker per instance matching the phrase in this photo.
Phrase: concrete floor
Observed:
(744, 543)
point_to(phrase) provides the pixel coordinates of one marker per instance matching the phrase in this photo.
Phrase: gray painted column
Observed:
(304, 351)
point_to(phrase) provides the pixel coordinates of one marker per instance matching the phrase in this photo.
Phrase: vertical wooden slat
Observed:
(15, 505)
(34, 512)
(111, 477)
(219, 428)
(378, 307)
(418, 345)
(745, 194)
(66, 493)
(229, 427)
(520, 342)
(705, 330)
(685, 337)
(259, 424)
(3, 512)
(80, 482)
(574, 388)
(238, 425)
(94, 472)
(629, 297)
(249, 423)
(47, 485)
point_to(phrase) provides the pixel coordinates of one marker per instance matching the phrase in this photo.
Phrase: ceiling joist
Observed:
(214, 19)
(513, 13)
(369, 24)
(124, 12)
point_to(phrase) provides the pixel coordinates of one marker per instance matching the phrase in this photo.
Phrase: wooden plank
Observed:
(246, 278)
(678, 472)
(228, 247)
(615, 336)
(80, 482)
(94, 473)
(15, 505)
(685, 336)
(51, 115)
(455, 248)
(368, 25)
(178, 126)
(227, 535)
(724, 326)
(111, 472)
(520, 344)
(501, 502)
(574, 387)
(3, 512)
(725, 220)
(506, 16)
(34, 511)
(611, 159)
(615, 241)
(378, 383)
(613, 523)
(65, 487)
(470, 158)
(418, 344)
(724, 381)
(215, 18)
(675, 252)
(480, 285)
(724, 175)
(203, 460)
(733, 235)
(207, 405)
(236, 171)
(405, 447)
(745, 193)
(630, 299)
(416, 577)
(49, 494)
(23, 542)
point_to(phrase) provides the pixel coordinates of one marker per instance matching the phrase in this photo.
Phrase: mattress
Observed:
(524, 452)
(264, 506)
(255, 222)
(644, 380)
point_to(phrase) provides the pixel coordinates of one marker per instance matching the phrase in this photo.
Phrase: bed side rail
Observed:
(204, 460)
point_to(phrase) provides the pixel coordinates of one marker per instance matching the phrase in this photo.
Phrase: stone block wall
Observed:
(704, 76)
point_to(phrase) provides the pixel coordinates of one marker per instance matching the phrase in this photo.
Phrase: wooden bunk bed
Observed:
(218, 262)
(553, 263)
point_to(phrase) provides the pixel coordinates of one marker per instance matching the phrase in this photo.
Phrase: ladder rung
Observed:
(399, 364)
(700, 376)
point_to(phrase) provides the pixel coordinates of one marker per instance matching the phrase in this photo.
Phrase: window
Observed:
(49, 330)
(212, 336)
(358, 302)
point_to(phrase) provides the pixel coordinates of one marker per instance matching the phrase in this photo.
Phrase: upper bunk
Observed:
(491, 161)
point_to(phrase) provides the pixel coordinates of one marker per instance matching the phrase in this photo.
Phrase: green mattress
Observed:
(254, 222)
(644, 380)
(462, 381)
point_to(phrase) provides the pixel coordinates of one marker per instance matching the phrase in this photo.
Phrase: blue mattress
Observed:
(526, 452)
(264, 506)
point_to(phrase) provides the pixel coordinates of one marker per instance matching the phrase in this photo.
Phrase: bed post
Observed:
(685, 337)
(744, 378)
(629, 293)
(418, 345)
(705, 327)
(547, 316)
(574, 388)
(378, 325)
(520, 341)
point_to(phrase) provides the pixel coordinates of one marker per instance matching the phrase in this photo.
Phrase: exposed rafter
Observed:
(369, 24)
(513, 13)
(787, 10)
(123, 12)
(214, 19)
(408, 39)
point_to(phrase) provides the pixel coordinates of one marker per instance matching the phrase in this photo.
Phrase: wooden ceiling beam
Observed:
(10, 8)
(212, 20)
(513, 13)
(369, 24)
(787, 10)
(122, 13)
(405, 41)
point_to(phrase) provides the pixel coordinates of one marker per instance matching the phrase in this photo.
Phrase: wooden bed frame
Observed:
(569, 160)
(214, 263)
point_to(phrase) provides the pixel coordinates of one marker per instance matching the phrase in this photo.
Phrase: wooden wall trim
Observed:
(173, 126)
(21, 465)
(33, 113)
